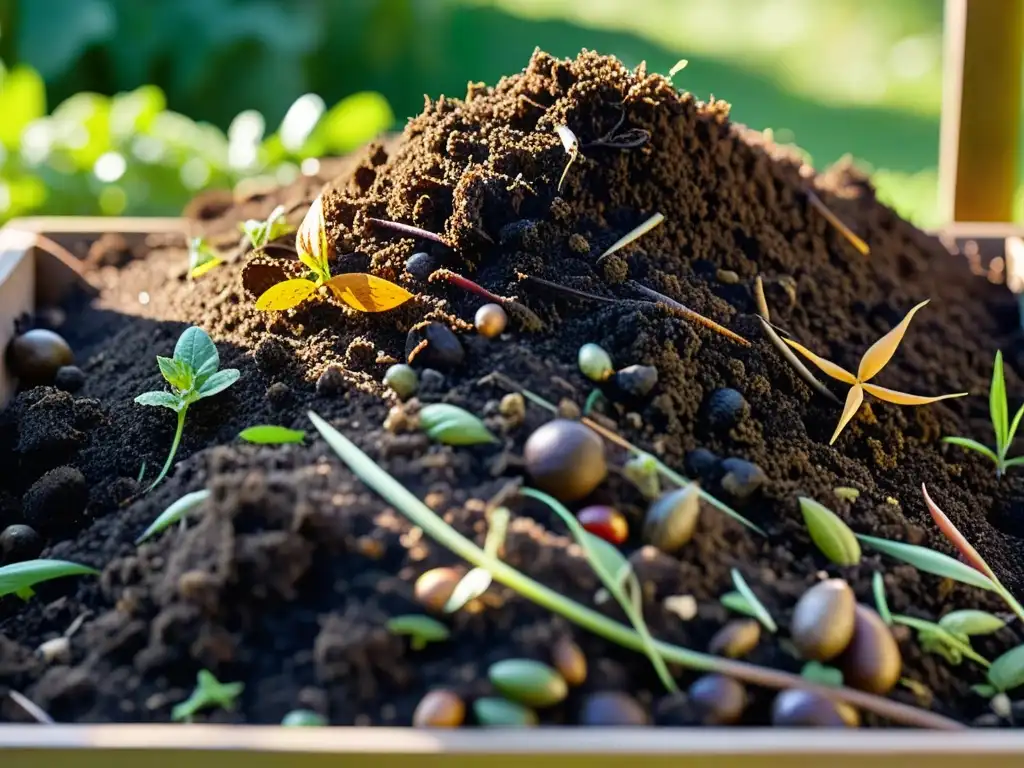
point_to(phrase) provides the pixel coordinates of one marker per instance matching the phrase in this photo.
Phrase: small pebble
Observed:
(726, 408)
(331, 382)
(683, 606)
(35, 356)
(439, 709)
(565, 459)
(431, 380)
(402, 380)
(55, 651)
(433, 345)
(70, 378)
(19, 543)
(279, 394)
(727, 276)
(742, 479)
(612, 708)
(490, 320)
(421, 265)
(635, 381)
(702, 464)
(719, 700)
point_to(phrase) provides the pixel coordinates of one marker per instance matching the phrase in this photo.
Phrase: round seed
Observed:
(439, 709)
(823, 620)
(604, 522)
(594, 362)
(636, 381)
(797, 708)
(303, 718)
(490, 320)
(19, 543)
(528, 682)
(565, 459)
(719, 700)
(433, 345)
(434, 587)
(612, 708)
(872, 660)
(570, 662)
(742, 478)
(70, 378)
(726, 408)
(502, 713)
(420, 265)
(735, 639)
(35, 356)
(402, 379)
(672, 519)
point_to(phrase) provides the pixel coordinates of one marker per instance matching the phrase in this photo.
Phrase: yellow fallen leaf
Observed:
(285, 295)
(881, 351)
(827, 366)
(854, 398)
(904, 398)
(366, 293)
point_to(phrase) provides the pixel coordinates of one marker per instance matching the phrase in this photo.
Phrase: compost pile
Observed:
(285, 579)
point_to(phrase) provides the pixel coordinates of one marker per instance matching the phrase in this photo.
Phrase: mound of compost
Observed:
(285, 578)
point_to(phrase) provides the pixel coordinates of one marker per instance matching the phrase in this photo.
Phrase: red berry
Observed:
(604, 522)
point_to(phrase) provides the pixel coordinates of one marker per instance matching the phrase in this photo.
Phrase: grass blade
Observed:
(19, 578)
(957, 539)
(760, 612)
(734, 601)
(878, 588)
(175, 512)
(972, 445)
(1013, 428)
(930, 561)
(997, 403)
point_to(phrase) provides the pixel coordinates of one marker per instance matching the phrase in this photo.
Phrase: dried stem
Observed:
(38, 713)
(633, 234)
(466, 284)
(567, 290)
(408, 230)
(689, 314)
(834, 220)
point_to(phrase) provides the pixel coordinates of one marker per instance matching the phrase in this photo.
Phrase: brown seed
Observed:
(434, 587)
(611, 708)
(719, 700)
(822, 623)
(490, 320)
(36, 355)
(439, 709)
(565, 459)
(797, 708)
(672, 518)
(872, 660)
(735, 639)
(570, 662)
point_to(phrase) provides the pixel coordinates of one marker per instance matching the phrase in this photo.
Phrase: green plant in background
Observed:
(209, 692)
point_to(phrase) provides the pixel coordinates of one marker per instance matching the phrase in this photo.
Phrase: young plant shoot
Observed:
(193, 374)
(873, 361)
(202, 257)
(19, 578)
(260, 232)
(363, 293)
(209, 692)
(999, 411)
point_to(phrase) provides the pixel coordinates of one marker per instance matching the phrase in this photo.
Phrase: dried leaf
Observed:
(958, 540)
(881, 351)
(827, 367)
(831, 535)
(854, 398)
(366, 293)
(904, 398)
(285, 295)
(311, 238)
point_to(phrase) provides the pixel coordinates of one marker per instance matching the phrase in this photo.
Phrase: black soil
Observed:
(287, 577)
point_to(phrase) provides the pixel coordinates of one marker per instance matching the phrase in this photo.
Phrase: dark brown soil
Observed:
(285, 580)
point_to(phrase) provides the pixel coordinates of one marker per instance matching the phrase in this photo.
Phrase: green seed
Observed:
(303, 718)
(422, 630)
(501, 713)
(594, 362)
(402, 379)
(529, 682)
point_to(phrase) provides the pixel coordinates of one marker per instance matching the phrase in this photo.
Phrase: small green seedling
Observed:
(209, 692)
(999, 411)
(952, 645)
(202, 257)
(751, 605)
(19, 578)
(476, 582)
(822, 674)
(193, 375)
(420, 629)
(175, 512)
(271, 434)
(259, 232)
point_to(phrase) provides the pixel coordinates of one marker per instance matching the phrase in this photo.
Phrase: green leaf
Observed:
(174, 373)
(197, 350)
(984, 690)
(997, 403)
(22, 100)
(930, 561)
(271, 434)
(971, 622)
(1013, 462)
(422, 629)
(1006, 672)
(175, 512)
(19, 578)
(972, 445)
(937, 639)
(1014, 426)
(218, 382)
(350, 123)
(201, 258)
(160, 399)
(734, 601)
(822, 674)
(878, 588)
(760, 612)
(831, 535)
(452, 425)
(470, 587)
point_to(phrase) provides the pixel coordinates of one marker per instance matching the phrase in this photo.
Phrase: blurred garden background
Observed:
(132, 106)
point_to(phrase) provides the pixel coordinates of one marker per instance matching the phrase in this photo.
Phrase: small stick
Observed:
(844, 230)
(408, 230)
(783, 348)
(567, 290)
(632, 235)
(688, 313)
(466, 284)
(37, 712)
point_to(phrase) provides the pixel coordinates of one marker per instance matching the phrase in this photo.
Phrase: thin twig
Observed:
(408, 230)
(689, 314)
(33, 709)
(526, 315)
(783, 349)
(566, 289)
(633, 234)
(834, 220)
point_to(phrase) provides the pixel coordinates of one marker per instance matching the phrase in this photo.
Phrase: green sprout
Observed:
(19, 578)
(271, 434)
(193, 375)
(259, 232)
(202, 257)
(209, 692)
(175, 512)
(999, 411)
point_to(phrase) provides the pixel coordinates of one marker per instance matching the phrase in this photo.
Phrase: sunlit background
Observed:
(131, 106)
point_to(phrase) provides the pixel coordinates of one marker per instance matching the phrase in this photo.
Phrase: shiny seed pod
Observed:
(612, 708)
(672, 519)
(635, 382)
(725, 409)
(35, 356)
(402, 379)
(798, 708)
(528, 682)
(421, 265)
(735, 639)
(19, 543)
(433, 345)
(823, 620)
(604, 522)
(871, 661)
(440, 709)
(501, 713)
(490, 320)
(434, 587)
(594, 362)
(303, 718)
(570, 662)
(565, 459)
(718, 700)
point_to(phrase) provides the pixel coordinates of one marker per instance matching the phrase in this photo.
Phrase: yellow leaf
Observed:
(902, 398)
(285, 295)
(310, 262)
(881, 351)
(311, 237)
(853, 400)
(831, 369)
(367, 293)
(203, 268)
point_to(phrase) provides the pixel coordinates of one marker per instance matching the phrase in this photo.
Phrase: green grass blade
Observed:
(174, 513)
(271, 434)
(1013, 429)
(972, 445)
(734, 601)
(997, 403)
(930, 561)
(19, 578)
(760, 612)
(940, 634)
(1013, 462)
(878, 589)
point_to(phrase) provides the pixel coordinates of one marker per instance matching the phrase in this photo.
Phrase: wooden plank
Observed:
(17, 295)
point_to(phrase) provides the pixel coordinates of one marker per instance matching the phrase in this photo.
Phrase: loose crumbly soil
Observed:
(286, 578)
